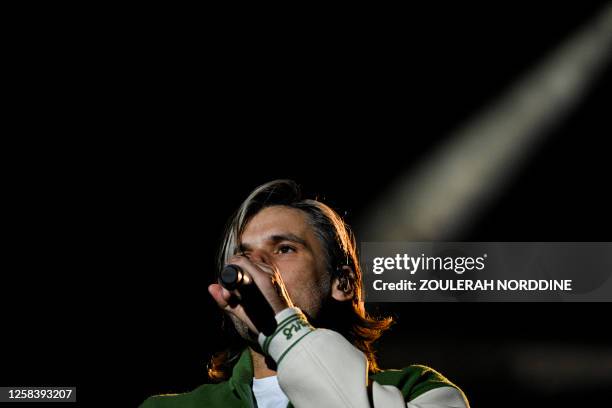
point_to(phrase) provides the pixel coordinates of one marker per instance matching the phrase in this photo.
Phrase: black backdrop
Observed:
(118, 227)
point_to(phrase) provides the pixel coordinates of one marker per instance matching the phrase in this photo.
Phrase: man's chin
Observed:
(244, 332)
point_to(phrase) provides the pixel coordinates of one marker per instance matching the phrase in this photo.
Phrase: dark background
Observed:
(154, 133)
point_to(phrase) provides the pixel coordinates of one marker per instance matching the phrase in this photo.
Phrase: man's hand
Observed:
(268, 280)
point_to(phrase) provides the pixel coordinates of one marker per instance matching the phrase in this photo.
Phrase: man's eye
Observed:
(285, 249)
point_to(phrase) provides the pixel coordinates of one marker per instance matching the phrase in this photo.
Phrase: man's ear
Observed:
(343, 287)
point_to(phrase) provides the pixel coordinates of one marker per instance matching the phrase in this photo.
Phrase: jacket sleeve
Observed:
(319, 368)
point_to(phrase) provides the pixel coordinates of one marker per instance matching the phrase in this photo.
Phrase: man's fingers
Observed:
(220, 294)
(250, 265)
(258, 271)
(268, 280)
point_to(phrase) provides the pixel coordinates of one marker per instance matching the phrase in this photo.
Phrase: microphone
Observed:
(255, 305)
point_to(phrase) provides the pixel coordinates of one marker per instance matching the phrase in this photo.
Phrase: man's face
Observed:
(281, 236)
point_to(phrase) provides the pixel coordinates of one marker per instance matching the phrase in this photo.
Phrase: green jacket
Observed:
(412, 381)
(320, 368)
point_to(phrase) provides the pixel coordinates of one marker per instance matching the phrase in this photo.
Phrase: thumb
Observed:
(220, 294)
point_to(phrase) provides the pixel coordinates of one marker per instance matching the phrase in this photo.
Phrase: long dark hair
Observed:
(347, 318)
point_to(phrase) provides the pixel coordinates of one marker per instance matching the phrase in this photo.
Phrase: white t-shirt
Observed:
(268, 393)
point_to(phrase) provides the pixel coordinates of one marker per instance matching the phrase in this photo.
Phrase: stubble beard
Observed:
(312, 310)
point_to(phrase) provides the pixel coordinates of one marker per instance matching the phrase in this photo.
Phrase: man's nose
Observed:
(260, 255)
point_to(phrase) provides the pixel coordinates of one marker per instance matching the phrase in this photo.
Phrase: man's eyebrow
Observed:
(276, 238)
(287, 237)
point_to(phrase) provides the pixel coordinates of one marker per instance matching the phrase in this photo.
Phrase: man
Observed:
(303, 259)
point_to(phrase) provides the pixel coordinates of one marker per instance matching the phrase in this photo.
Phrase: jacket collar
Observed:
(242, 372)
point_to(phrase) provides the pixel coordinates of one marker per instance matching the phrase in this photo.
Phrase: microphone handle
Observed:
(252, 300)
(258, 309)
